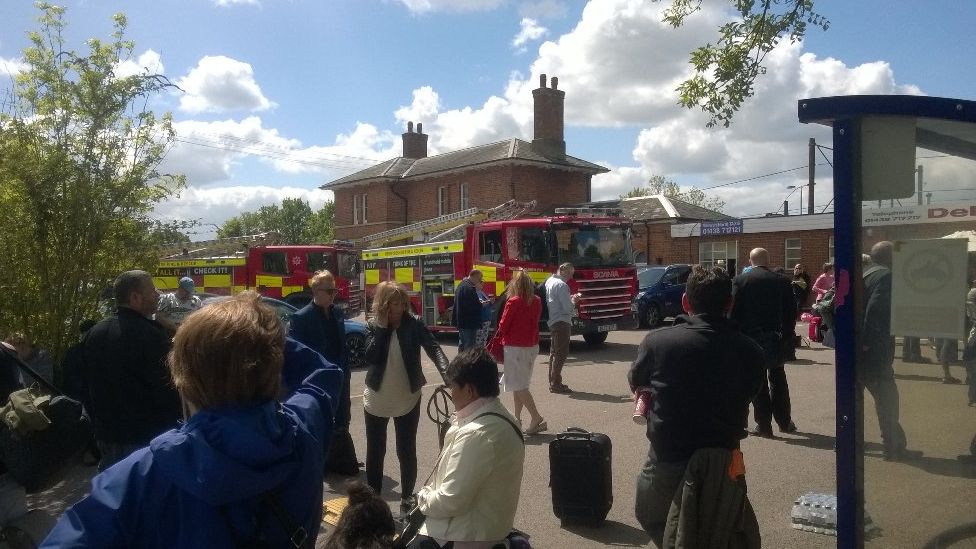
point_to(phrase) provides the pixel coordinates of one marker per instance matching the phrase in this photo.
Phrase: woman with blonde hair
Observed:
(393, 381)
(518, 330)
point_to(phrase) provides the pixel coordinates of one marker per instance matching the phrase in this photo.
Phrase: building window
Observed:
(464, 197)
(442, 201)
(722, 254)
(792, 252)
(359, 209)
(830, 249)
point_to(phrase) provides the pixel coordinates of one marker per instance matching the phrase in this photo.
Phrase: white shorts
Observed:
(518, 367)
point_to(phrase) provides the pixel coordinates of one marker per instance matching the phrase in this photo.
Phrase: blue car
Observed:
(659, 293)
(355, 331)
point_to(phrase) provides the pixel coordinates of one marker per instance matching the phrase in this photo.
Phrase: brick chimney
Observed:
(415, 144)
(548, 138)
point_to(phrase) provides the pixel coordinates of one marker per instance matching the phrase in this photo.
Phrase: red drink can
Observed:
(642, 405)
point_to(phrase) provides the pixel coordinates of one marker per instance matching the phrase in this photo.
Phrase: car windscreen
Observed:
(650, 277)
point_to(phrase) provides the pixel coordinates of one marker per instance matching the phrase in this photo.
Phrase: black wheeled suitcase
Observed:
(581, 477)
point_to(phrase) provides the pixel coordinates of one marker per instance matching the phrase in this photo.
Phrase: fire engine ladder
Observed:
(421, 227)
(218, 247)
(509, 210)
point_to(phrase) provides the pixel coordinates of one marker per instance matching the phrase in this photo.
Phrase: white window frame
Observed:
(359, 209)
(830, 249)
(465, 199)
(442, 205)
(710, 252)
(797, 248)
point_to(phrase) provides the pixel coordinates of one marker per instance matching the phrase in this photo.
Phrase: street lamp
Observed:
(795, 187)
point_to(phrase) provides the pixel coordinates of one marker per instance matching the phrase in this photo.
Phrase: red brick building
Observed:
(415, 187)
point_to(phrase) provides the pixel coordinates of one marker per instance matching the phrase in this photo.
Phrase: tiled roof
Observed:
(511, 150)
(659, 208)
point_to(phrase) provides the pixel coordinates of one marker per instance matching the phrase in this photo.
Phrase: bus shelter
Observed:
(905, 385)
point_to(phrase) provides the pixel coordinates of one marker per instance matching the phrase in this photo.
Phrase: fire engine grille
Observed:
(605, 298)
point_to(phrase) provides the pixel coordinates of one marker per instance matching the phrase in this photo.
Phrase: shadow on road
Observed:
(540, 439)
(606, 353)
(811, 440)
(807, 362)
(945, 467)
(916, 377)
(599, 397)
(612, 533)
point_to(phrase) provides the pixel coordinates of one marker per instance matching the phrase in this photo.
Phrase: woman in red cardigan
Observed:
(519, 333)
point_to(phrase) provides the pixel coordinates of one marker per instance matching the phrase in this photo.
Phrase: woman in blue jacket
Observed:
(243, 469)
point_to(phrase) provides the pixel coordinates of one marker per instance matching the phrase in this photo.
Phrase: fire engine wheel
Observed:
(356, 343)
(595, 338)
(653, 318)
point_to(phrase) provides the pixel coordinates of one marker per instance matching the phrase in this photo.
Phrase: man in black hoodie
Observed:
(703, 373)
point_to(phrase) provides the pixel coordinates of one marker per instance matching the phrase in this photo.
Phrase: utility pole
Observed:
(812, 171)
(918, 178)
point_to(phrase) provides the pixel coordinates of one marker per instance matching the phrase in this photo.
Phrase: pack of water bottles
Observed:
(815, 513)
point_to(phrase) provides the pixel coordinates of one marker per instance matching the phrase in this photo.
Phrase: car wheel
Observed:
(356, 343)
(595, 338)
(653, 318)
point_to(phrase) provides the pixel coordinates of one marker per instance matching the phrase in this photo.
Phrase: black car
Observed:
(659, 293)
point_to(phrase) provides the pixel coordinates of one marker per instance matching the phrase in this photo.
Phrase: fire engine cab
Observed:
(231, 265)
(596, 241)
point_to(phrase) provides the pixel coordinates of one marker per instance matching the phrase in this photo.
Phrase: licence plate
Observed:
(607, 328)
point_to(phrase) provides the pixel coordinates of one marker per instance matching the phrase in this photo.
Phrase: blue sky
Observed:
(280, 97)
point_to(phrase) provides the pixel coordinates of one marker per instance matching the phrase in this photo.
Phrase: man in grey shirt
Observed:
(561, 307)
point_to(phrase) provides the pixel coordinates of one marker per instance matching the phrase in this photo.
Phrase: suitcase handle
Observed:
(574, 432)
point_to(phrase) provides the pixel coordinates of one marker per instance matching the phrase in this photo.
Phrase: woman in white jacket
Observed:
(473, 495)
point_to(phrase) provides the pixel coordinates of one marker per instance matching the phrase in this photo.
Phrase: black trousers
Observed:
(885, 393)
(773, 400)
(911, 348)
(405, 428)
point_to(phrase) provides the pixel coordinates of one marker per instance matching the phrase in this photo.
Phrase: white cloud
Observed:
(226, 3)
(543, 9)
(218, 204)
(12, 66)
(530, 31)
(219, 84)
(207, 152)
(424, 6)
(148, 63)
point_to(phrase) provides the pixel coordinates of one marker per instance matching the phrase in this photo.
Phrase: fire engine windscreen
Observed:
(594, 246)
(348, 265)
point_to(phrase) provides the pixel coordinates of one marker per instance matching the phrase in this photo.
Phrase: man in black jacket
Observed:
(702, 373)
(765, 309)
(878, 349)
(467, 310)
(130, 395)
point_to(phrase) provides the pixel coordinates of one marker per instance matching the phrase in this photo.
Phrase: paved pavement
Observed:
(908, 501)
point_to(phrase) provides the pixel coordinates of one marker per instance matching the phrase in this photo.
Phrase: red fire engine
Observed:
(596, 242)
(231, 265)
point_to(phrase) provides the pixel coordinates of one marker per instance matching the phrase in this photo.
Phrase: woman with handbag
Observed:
(394, 379)
(518, 332)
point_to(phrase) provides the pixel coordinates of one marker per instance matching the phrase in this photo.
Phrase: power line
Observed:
(282, 156)
(255, 141)
(803, 167)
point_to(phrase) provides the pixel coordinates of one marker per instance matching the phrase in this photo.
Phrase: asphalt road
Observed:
(909, 502)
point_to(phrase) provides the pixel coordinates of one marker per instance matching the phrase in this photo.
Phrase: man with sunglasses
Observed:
(320, 325)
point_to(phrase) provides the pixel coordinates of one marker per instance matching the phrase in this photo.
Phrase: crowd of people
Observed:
(215, 425)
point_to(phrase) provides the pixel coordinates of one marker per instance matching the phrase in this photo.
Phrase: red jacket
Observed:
(519, 325)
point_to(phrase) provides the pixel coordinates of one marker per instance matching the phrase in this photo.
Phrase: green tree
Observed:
(79, 152)
(726, 72)
(659, 184)
(294, 220)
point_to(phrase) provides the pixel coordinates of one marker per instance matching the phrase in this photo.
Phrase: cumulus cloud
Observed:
(530, 31)
(218, 204)
(424, 6)
(227, 3)
(207, 152)
(12, 66)
(219, 84)
(149, 62)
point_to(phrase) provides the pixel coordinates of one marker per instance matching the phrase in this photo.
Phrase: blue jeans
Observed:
(467, 338)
